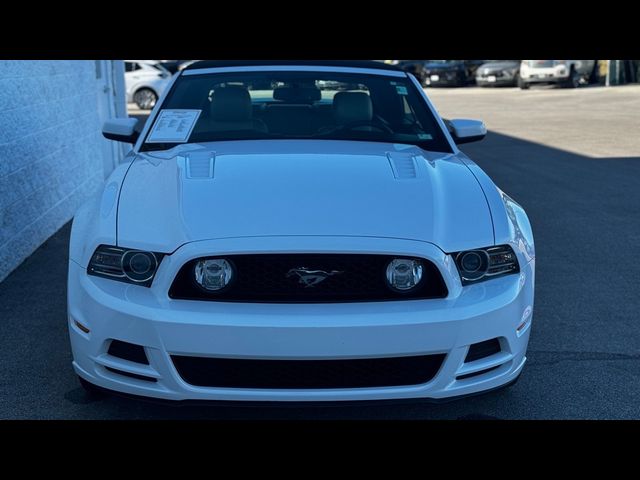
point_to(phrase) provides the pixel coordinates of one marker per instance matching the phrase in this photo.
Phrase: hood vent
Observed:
(402, 164)
(200, 164)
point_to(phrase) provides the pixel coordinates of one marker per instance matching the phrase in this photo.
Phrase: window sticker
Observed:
(425, 136)
(402, 90)
(173, 126)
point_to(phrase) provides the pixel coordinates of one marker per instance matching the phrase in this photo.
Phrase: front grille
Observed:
(497, 74)
(541, 63)
(268, 278)
(359, 373)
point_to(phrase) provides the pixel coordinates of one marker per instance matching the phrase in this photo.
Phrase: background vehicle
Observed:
(145, 80)
(471, 67)
(454, 73)
(498, 73)
(451, 73)
(568, 73)
(414, 67)
(172, 66)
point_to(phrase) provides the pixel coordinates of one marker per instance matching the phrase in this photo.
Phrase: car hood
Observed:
(288, 187)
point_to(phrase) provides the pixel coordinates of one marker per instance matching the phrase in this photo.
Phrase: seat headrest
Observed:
(297, 94)
(231, 104)
(350, 107)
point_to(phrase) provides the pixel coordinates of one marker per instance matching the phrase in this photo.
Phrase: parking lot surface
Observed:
(570, 157)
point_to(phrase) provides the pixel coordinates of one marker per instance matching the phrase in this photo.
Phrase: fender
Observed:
(95, 223)
(511, 224)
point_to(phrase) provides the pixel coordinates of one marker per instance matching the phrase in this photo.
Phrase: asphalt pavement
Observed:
(570, 157)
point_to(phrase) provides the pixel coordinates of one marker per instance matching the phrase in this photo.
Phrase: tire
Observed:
(145, 98)
(516, 81)
(91, 390)
(522, 84)
(574, 79)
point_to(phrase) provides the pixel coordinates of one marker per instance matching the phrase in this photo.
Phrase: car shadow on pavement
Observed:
(583, 355)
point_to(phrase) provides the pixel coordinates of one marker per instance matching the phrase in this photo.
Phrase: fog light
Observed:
(213, 274)
(404, 274)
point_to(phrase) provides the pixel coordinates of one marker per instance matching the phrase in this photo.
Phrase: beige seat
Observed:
(352, 107)
(230, 110)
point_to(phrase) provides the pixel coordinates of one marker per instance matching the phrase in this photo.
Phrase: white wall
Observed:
(52, 154)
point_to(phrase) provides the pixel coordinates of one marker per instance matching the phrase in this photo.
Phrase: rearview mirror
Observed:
(466, 131)
(121, 129)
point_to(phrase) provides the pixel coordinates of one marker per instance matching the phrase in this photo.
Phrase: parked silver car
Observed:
(498, 73)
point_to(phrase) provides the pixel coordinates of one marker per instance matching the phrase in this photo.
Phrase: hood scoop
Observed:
(199, 164)
(403, 165)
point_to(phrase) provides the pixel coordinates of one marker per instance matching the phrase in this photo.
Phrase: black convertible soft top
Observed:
(266, 63)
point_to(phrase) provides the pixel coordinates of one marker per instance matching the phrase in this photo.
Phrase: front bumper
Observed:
(148, 317)
(437, 79)
(497, 82)
(545, 76)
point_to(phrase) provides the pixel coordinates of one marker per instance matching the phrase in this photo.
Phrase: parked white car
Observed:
(145, 81)
(294, 243)
(569, 73)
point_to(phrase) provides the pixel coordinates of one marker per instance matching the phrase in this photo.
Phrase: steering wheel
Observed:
(366, 123)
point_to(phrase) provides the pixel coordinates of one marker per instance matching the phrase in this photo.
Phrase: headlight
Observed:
(485, 263)
(403, 274)
(124, 265)
(213, 274)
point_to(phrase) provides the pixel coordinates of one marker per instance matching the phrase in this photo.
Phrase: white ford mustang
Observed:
(286, 231)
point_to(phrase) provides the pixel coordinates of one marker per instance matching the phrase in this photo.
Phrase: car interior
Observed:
(292, 111)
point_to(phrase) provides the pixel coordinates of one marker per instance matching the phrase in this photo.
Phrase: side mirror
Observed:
(466, 131)
(121, 130)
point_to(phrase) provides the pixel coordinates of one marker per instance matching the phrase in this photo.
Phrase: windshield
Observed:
(299, 105)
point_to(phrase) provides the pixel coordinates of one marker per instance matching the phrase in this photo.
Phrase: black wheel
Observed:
(522, 84)
(516, 80)
(574, 79)
(91, 390)
(145, 98)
